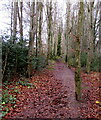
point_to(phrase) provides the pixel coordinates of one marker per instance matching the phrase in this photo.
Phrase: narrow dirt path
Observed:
(63, 73)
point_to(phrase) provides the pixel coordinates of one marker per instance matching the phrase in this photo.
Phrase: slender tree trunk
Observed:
(21, 21)
(67, 31)
(31, 38)
(49, 15)
(11, 18)
(90, 38)
(59, 43)
(55, 29)
(20, 17)
(15, 21)
(54, 50)
(36, 34)
(95, 28)
(40, 26)
(5, 64)
(78, 52)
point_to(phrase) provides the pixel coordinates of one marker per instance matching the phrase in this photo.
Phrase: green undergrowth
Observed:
(51, 65)
(56, 58)
(9, 94)
(94, 66)
(25, 83)
(8, 98)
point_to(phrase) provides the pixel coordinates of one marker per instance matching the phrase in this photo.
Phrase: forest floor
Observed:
(53, 95)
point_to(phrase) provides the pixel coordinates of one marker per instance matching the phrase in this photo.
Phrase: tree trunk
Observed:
(15, 21)
(59, 43)
(55, 31)
(20, 17)
(21, 21)
(78, 52)
(90, 38)
(68, 31)
(49, 22)
(36, 34)
(31, 38)
(40, 26)
(11, 18)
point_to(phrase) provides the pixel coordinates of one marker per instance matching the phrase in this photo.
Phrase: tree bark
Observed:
(15, 21)
(40, 26)
(20, 17)
(78, 52)
(21, 21)
(67, 31)
(11, 18)
(90, 38)
(49, 23)
(36, 34)
(31, 38)
(59, 43)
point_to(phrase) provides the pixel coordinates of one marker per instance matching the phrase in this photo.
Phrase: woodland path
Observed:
(66, 75)
(53, 98)
(54, 95)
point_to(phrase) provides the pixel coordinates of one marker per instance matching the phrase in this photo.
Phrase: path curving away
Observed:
(63, 73)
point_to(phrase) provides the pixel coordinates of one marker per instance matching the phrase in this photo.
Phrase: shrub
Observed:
(39, 62)
(95, 65)
(56, 57)
(71, 62)
(83, 59)
(16, 61)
